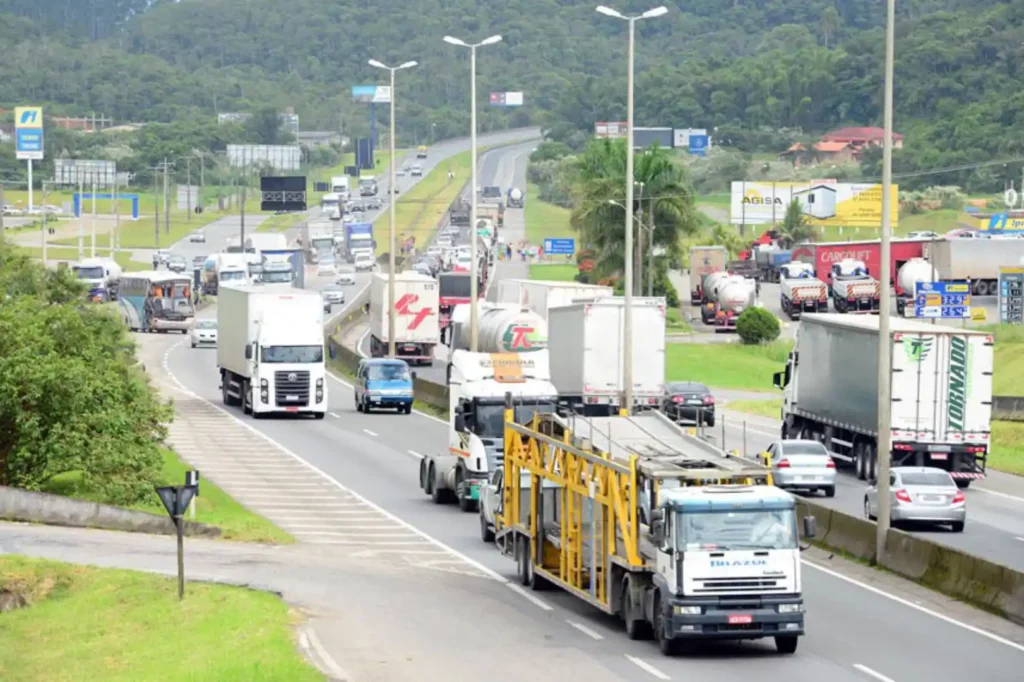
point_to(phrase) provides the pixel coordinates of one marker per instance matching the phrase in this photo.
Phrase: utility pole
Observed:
(156, 207)
(202, 173)
(81, 213)
(115, 236)
(243, 217)
(92, 241)
(46, 196)
(167, 204)
(188, 189)
(650, 249)
(1, 204)
(638, 255)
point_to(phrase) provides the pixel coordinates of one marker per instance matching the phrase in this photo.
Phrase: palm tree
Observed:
(795, 228)
(599, 178)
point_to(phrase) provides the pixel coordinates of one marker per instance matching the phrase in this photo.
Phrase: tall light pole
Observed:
(391, 206)
(627, 345)
(474, 283)
(884, 348)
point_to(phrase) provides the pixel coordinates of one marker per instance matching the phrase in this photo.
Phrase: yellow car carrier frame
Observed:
(589, 521)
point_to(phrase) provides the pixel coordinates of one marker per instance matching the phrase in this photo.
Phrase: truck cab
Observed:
(853, 289)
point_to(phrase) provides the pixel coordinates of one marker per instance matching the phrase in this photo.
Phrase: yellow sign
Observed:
(931, 300)
(823, 203)
(978, 315)
(28, 117)
(957, 289)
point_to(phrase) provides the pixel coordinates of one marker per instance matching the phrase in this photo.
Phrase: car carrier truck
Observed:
(941, 387)
(679, 539)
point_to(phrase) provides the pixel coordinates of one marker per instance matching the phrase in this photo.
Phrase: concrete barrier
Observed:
(977, 581)
(33, 507)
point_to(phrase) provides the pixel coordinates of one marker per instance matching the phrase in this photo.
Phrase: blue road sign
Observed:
(560, 247)
(699, 145)
(29, 143)
(942, 300)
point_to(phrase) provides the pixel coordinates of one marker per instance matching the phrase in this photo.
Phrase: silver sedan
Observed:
(204, 333)
(921, 494)
(802, 465)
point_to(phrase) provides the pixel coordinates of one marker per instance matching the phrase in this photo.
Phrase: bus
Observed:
(156, 301)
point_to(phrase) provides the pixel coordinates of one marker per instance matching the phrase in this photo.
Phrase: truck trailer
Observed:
(977, 260)
(941, 393)
(541, 296)
(800, 291)
(416, 317)
(824, 255)
(270, 350)
(586, 341)
(704, 261)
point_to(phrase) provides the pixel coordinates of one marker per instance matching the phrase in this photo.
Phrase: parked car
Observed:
(689, 401)
(333, 294)
(802, 465)
(204, 333)
(383, 383)
(921, 494)
(197, 237)
(346, 275)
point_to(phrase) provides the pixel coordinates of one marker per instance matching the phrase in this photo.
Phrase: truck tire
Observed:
(858, 461)
(437, 493)
(524, 568)
(426, 482)
(465, 504)
(246, 398)
(667, 645)
(636, 629)
(786, 644)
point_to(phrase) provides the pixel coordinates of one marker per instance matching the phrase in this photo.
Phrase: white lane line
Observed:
(526, 595)
(335, 415)
(917, 607)
(370, 432)
(585, 630)
(1015, 537)
(332, 666)
(872, 673)
(415, 454)
(359, 344)
(1007, 496)
(647, 667)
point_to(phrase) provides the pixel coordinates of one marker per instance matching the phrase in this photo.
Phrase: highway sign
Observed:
(947, 300)
(28, 133)
(28, 117)
(1011, 295)
(560, 247)
(699, 145)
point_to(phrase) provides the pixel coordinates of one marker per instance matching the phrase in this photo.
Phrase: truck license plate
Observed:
(741, 619)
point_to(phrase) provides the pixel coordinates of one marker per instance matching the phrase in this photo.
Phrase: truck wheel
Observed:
(426, 482)
(786, 644)
(246, 399)
(637, 630)
(667, 645)
(523, 561)
(366, 406)
(486, 534)
(858, 460)
(437, 494)
(465, 504)
(872, 460)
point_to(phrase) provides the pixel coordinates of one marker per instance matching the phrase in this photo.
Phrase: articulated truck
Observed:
(680, 540)
(941, 393)
(416, 317)
(270, 350)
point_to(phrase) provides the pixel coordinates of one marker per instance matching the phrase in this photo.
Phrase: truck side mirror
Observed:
(810, 527)
(777, 380)
(413, 375)
(460, 422)
(248, 352)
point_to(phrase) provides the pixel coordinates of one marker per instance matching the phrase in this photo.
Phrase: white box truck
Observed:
(270, 350)
(978, 260)
(340, 185)
(586, 341)
(417, 328)
(941, 385)
(540, 296)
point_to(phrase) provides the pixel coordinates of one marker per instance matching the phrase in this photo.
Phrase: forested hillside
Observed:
(741, 66)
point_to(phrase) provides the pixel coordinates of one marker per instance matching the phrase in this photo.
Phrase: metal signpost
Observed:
(1011, 295)
(942, 300)
(560, 246)
(176, 499)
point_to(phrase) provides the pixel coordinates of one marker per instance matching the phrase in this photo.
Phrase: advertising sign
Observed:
(695, 140)
(506, 99)
(371, 94)
(610, 129)
(945, 300)
(28, 133)
(1011, 295)
(823, 203)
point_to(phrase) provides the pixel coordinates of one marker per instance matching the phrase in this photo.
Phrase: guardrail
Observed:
(1008, 408)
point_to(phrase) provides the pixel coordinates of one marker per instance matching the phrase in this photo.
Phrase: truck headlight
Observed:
(264, 384)
(687, 610)
(319, 384)
(319, 395)
(789, 608)
(264, 395)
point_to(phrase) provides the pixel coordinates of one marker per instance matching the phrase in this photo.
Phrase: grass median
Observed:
(86, 624)
(726, 365)
(544, 220)
(65, 253)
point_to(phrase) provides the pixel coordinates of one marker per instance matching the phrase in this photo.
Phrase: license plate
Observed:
(939, 456)
(743, 619)
(292, 398)
(291, 409)
(933, 498)
(693, 402)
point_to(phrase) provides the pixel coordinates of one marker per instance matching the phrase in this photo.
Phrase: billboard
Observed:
(823, 202)
(648, 137)
(506, 99)
(71, 172)
(278, 157)
(610, 129)
(28, 133)
(694, 140)
(371, 94)
(283, 193)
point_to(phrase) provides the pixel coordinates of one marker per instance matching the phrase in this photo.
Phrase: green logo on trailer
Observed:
(917, 349)
(957, 400)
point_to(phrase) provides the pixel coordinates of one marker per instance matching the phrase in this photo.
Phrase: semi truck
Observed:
(680, 540)
(417, 329)
(340, 185)
(222, 268)
(270, 350)
(515, 197)
(853, 288)
(101, 275)
(704, 261)
(941, 393)
(263, 241)
(800, 291)
(319, 241)
(915, 271)
(824, 255)
(770, 259)
(501, 328)
(977, 260)
(586, 341)
(359, 239)
(727, 296)
(283, 266)
(421, 152)
(541, 295)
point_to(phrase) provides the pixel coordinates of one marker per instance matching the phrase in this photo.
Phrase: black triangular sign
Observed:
(169, 496)
(185, 496)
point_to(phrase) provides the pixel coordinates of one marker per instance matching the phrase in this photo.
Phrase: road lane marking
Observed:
(872, 673)
(526, 595)
(335, 415)
(923, 609)
(1018, 538)
(989, 491)
(415, 454)
(370, 432)
(332, 666)
(585, 630)
(647, 667)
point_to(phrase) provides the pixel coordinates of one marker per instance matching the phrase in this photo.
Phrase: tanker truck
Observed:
(704, 261)
(801, 291)
(853, 288)
(707, 287)
(914, 271)
(731, 296)
(511, 357)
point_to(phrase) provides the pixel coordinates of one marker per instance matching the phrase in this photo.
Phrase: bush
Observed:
(757, 326)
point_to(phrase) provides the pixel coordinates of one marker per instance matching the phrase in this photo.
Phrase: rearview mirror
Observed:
(248, 352)
(810, 527)
(460, 422)
(413, 375)
(777, 380)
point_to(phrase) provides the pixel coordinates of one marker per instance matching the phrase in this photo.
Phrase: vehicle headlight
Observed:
(688, 610)
(264, 384)
(789, 608)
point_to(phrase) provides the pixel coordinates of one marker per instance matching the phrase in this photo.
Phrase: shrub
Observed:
(757, 326)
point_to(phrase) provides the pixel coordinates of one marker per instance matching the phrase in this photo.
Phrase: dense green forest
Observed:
(762, 72)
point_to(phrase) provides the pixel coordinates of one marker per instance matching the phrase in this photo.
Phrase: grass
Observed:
(87, 624)
(64, 253)
(544, 220)
(214, 506)
(726, 365)
(763, 408)
(717, 199)
(675, 323)
(556, 273)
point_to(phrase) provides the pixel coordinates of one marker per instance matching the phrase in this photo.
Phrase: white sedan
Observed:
(346, 276)
(326, 269)
(204, 333)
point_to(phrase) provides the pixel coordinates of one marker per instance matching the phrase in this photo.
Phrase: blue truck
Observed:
(359, 237)
(769, 261)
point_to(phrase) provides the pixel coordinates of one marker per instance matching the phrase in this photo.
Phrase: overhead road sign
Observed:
(560, 246)
(942, 300)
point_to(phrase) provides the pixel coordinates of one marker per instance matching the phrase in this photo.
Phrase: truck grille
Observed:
(737, 585)
(291, 389)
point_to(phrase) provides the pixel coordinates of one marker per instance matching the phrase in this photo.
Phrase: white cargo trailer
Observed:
(941, 386)
(270, 350)
(541, 296)
(978, 260)
(585, 343)
(417, 329)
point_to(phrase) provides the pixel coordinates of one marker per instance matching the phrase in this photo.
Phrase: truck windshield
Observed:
(279, 276)
(744, 529)
(454, 286)
(489, 418)
(232, 275)
(296, 354)
(91, 272)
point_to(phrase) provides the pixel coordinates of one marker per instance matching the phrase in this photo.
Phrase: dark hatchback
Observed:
(689, 401)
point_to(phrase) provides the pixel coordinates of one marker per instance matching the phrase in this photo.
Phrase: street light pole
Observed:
(391, 206)
(474, 275)
(627, 343)
(884, 343)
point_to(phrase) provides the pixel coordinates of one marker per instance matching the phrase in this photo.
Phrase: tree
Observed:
(599, 179)
(795, 228)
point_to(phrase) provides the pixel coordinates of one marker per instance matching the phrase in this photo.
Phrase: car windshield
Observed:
(731, 530)
(803, 448)
(90, 272)
(492, 192)
(206, 324)
(388, 372)
(933, 478)
(296, 354)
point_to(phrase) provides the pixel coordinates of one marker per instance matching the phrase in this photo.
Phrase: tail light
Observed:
(831, 464)
(851, 299)
(975, 449)
(709, 400)
(959, 498)
(902, 446)
(903, 496)
(677, 398)
(783, 464)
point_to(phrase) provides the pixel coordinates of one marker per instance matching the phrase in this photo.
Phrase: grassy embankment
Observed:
(87, 624)
(544, 220)
(214, 506)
